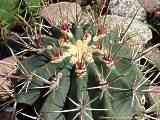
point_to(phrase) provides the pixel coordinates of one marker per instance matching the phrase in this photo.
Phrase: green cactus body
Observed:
(101, 80)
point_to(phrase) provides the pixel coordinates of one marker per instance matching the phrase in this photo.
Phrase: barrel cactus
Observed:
(82, 71)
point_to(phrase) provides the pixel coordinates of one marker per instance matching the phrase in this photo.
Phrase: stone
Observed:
(81, 2)
(150, 5)
(7, 67)
(154, 57)
(142, 31)
(54, 13)
(127, 8)
(155, 91)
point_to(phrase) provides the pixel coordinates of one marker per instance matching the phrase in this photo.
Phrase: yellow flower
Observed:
(80, 51)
